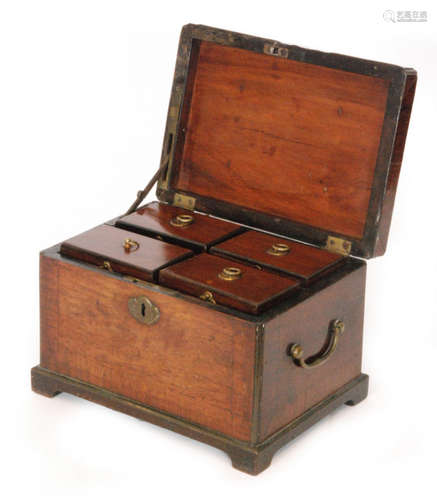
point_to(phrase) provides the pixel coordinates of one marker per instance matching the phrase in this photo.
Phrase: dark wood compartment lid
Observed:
(278, 254)
(158, 219)
(296, 142)
(107, 244)
(254, 292)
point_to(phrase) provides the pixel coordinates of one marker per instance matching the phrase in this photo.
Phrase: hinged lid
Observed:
(297, 142)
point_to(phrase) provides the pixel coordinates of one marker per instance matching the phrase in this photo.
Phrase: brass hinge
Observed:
(338, 245)
(184, 201)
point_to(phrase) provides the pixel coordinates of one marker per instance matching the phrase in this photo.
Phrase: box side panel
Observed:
(49, 289)
(195, 362)
(288, 390)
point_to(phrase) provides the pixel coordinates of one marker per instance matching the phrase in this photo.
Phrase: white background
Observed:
(84, 89)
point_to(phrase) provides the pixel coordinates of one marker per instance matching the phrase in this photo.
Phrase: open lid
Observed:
(300, 143)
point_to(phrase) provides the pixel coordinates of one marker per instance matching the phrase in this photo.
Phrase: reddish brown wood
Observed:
(395, 165)
(254, 292)
(283, 137)
(195, 362)
(154, 219)
(299, 143)
(303, 261)
(250, 458)
(105, 243)
(288, 390)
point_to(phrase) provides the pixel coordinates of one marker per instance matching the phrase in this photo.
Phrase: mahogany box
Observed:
(231, 309)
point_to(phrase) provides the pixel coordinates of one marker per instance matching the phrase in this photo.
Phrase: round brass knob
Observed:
(207, 296)
(278, 249)
(182, 220)
(230, 274)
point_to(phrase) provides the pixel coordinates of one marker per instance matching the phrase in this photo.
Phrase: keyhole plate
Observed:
(143, 310)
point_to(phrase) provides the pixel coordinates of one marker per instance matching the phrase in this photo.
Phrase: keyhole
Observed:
(143, 310)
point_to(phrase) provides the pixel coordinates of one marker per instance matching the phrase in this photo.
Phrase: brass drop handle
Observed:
(230, 273)
(278, 249)
(130, 245)
(182, 220)
(336, 327)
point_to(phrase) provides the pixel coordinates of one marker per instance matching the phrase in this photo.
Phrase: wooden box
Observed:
(231, 309)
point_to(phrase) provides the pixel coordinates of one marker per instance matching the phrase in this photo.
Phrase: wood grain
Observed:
(252, 459)
(105, 243)
(396, 161)
(283, 137)
(196, 362)
(154, 219)
(305, 147)
(303, 261)
(289, 390)
(254, 292)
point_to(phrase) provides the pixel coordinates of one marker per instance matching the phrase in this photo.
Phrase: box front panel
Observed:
(288, 390)
(194, 362)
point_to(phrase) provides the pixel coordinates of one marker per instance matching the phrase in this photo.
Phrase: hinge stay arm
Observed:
(142, 194)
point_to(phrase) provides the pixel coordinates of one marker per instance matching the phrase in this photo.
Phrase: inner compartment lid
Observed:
(296, 142)
(227, 283)
(123, 251)
(283, 256)
(161, 221)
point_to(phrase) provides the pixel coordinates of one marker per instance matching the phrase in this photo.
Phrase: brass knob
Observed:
(107, 265)
(207, 296)
(230, 274)
(130, 245)
(278, 249)
(182, 220)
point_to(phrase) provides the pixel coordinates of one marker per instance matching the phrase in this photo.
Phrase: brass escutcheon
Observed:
(143, 310)
(182, 220)
(278, 249)
(230, 274)
(130, 245)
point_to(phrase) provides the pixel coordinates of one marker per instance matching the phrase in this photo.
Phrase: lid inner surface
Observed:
(282, 137)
